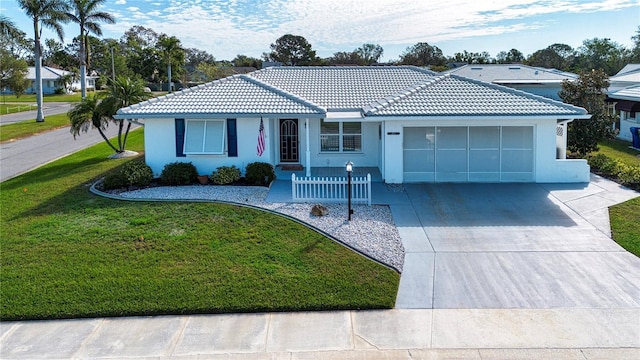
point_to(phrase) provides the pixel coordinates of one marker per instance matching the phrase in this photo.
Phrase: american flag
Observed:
(261, 145)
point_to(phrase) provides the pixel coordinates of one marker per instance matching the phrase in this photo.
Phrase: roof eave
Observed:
(477, 117)
(214, 115)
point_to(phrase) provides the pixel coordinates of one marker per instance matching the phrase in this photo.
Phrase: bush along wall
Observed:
(625, 174)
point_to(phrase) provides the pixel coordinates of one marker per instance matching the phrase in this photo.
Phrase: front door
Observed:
(289, 141)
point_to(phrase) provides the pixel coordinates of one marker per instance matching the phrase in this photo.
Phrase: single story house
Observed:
(534, 80)
(408, 123)
(628, 103)
(51, 80)
(629, 75)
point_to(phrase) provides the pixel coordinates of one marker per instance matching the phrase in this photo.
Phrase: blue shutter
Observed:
(180, 138)
(232, 138)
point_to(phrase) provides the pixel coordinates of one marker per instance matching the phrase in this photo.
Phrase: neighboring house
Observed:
(411, 124)
(51, 80)
(628, 103)
(535, 80)
(628, 76)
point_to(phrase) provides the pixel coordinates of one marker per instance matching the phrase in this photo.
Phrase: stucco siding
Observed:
(160, 146)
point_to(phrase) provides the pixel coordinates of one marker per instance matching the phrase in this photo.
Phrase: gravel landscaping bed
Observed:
(371, 230)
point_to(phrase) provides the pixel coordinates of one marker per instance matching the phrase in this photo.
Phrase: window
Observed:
(340, 136)
(204, 137)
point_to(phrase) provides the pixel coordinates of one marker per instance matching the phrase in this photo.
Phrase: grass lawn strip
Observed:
(15, 108)
(67, 253)
(625, 217)
(23, 129)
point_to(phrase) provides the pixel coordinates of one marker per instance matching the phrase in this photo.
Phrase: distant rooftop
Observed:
(512, 74)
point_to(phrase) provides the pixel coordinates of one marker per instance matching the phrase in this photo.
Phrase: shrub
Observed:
(137, 173)
(260, 173)
(179, 173)
(115, 180)
(225, 175)
(628, 174)
(598, 161)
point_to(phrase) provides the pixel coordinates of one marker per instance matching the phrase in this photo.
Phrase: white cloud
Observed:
(226, 29)
(121, 2)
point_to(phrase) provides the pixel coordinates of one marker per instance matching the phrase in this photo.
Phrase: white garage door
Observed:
(475, 154)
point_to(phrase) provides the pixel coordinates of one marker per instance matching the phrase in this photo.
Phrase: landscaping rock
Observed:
(319, 210)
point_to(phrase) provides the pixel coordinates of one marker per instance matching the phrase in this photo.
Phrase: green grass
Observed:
(15, 108)
(75, 97)
(31, 127)
(625, 225)
(618, 149)
(66, 253)
(625, 217)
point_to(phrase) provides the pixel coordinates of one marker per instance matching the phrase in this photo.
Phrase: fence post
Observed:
(369, 195)
(293, 187)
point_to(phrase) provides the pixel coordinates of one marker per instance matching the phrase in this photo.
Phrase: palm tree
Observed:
(86, 115)
(86, 14)
(172, 51)
(98, 110)
(9, 29)
(47, 13)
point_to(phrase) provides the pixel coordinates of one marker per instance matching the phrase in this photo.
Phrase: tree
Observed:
(369, 53)
(86, 115)
(97, 111)
(9, 29)
(13, 73)
(512, 56)
(291, 50)
(472, 57)
(86, 15)
(589, 92)
(423, 54)
(47, 13)
(555, 56)
(138, 46)
(601, 54)
(172, 53)
(345, 58)
(634, 54)
(243, 60)
(210, 72)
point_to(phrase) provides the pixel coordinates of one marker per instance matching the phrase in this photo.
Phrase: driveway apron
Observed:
(511, 246)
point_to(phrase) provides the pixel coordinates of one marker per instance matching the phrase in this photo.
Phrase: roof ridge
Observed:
(520, 93)
(401, 95)
(286, 94)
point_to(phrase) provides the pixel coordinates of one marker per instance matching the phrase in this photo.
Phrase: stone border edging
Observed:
(95, 191)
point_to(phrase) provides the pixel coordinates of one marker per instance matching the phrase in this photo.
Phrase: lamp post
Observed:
(349, 166)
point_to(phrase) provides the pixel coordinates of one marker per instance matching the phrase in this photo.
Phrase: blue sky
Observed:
(248, 27)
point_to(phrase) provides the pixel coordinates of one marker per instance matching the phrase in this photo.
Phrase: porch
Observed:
(283, 172)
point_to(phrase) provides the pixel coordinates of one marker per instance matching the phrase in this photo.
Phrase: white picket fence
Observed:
(331, 189)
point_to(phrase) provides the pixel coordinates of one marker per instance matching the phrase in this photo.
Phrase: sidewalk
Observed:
(391, 334)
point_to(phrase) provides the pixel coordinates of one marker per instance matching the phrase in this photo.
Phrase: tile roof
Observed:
(344, 88)
(237, 94)
(451, 95)
(631, 93)
(371, 91)
(512, 73)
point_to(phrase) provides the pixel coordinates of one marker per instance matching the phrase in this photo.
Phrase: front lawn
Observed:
(625, 217)
(31, 127)
(15, 108)
(66, 253)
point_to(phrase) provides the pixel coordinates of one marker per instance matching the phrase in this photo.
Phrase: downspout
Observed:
(308, 151)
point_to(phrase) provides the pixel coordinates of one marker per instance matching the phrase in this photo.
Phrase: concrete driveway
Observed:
(497, 246)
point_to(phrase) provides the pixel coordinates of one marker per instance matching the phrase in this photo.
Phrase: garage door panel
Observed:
(477, 154)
